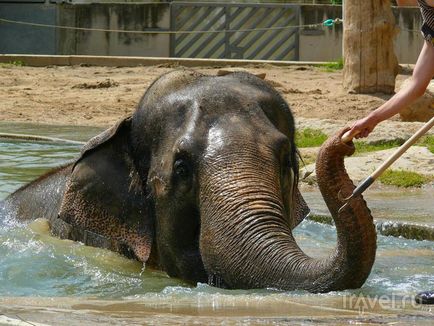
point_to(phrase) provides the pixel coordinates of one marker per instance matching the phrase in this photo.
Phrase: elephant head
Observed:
(201, 181)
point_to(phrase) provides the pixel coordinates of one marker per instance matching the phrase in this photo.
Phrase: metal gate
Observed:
(235, 31)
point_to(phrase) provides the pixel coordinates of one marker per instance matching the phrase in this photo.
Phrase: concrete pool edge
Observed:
(131, 61)
(305, 309)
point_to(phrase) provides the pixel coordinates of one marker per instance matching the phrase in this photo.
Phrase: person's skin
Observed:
(422, 74)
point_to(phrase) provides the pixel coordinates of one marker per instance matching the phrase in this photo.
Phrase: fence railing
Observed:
(248, 31)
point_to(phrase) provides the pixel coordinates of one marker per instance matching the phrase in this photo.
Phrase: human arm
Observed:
(422, 74)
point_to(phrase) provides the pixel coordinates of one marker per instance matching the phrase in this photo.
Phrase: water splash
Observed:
(7, 217)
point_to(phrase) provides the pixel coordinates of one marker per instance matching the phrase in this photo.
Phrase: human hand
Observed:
(362, 128)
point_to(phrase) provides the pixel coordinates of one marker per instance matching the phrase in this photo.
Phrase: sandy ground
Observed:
(98, 96)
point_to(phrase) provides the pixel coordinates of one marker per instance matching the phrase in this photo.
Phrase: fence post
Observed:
(370, 61)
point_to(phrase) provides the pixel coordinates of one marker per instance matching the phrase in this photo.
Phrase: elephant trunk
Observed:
(245, 239)
(357, 238)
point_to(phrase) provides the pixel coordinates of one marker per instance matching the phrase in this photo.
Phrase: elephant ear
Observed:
(102, 138)
(104, 203)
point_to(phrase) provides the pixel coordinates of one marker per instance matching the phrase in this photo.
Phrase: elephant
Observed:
(201, 181)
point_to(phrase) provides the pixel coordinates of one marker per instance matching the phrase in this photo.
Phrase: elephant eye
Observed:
(180, 168)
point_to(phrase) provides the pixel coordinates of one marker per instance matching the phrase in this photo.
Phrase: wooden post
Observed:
(370, 61)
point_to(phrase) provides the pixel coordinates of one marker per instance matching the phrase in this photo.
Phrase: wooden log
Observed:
(370, 63)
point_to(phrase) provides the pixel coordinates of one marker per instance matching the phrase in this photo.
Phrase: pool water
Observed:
(35, 264)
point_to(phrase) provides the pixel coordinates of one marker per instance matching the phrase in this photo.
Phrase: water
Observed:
(21, 162)
(34, 264)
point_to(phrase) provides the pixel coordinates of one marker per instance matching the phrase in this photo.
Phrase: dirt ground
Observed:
(98, 96)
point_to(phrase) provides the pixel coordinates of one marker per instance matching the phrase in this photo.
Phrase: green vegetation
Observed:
(309, 138)
(363, 147)
(333, 66)
(402, 178)
(313, 137)
(427, 141)
(17, 63)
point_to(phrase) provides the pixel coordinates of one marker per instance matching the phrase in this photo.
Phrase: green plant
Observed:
(309, 138)
(336, 2)
(333, 66)
(17, 63)
(402, 178)
(363, 147)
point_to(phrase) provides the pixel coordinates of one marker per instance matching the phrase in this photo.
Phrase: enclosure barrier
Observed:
(181, 29)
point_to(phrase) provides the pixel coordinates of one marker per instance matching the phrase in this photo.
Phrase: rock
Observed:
(423, 108)
(101, 84)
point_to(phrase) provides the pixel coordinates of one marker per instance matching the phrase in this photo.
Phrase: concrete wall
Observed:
(137, 17)
(318, 43)
(315, 44)
(27, 39)
(409, 40)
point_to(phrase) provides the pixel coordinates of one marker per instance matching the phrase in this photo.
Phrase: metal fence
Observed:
(235, 31)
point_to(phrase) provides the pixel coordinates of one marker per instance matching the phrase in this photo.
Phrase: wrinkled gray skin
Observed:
(201, 183)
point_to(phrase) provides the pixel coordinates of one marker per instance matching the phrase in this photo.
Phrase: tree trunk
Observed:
(370, 62)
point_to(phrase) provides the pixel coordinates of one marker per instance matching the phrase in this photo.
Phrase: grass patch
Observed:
(309, 138)
(17, 63)
(427, 141)
(363, 147)
(333, 66)
(402, 178)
